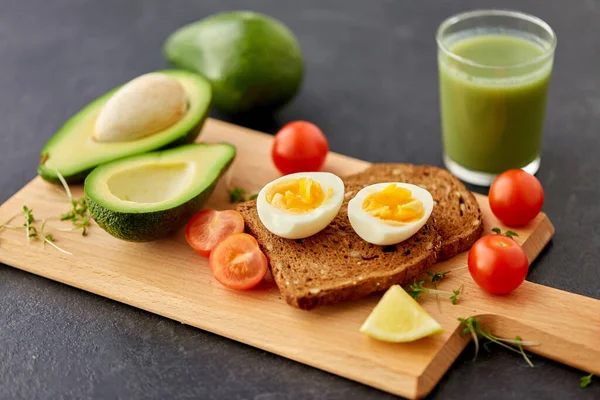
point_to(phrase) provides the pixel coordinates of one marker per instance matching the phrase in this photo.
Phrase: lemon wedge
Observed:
(399, 318)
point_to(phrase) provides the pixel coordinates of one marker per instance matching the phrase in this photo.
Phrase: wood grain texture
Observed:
(169, 279)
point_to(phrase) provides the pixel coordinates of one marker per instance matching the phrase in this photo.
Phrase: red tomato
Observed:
(498, 264)
(237, 262)
(299, 147)
(516, 197)
(209, 227)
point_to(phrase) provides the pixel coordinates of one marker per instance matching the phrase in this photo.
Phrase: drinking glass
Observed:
(494, 71)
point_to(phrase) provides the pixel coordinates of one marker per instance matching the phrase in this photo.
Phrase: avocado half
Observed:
(74, 153)
(146, 197)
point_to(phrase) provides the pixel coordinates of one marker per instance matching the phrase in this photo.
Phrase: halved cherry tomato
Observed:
(237, 262)
(498, 264)
(516, 197)
(299, 147)
(208, 227)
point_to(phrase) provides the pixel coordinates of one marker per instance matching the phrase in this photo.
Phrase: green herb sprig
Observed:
(79, 214)
(417, 289)
(509, 234)
(585, 381)
(473, 327)
(239, 195)
(438, 276)
(50, 239)
(33, 233)
(30, 230)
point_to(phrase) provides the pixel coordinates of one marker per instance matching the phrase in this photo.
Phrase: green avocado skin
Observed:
(146, 227)
(50, 176)
(253, 62)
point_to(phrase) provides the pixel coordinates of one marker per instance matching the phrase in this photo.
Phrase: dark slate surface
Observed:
(371, 85)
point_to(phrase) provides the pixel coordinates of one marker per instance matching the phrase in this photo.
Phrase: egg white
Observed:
(298, 226)
(374, 230)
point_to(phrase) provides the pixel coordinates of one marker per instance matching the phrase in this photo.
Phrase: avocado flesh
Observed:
(146, 197)
(74, 152)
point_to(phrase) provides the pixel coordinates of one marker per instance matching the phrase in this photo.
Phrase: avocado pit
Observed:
(142, 107)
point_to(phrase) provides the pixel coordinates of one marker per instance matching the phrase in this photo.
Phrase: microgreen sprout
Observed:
(474, 328)
(78, 214)
(50, 239)
(6, 225)
(585, 381)
(30, 230)
(438, 276)
(509, 234)
(239, 195)
(417, 289)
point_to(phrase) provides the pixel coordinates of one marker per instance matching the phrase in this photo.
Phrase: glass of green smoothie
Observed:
(494, 69)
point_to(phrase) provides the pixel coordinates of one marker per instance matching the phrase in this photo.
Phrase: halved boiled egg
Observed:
(389, 213)
(299, 205)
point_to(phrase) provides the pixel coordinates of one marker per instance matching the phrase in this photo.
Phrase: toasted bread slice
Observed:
(457, 213)
(336, 264)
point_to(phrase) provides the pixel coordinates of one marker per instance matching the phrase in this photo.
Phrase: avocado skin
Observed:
(146, 227)
(256, 66)
(50, 176)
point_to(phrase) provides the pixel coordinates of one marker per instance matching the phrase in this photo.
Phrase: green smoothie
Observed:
(492, 117)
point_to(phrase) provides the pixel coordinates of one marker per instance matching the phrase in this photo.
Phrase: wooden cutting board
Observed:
(167, 278)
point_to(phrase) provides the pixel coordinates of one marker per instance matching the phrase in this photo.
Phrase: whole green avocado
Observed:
(254, 62)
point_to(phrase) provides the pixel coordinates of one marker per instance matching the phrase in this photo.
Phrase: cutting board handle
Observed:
(566, 325)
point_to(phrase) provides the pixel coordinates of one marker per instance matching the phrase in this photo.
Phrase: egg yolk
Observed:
(394, 205)
(297, 196)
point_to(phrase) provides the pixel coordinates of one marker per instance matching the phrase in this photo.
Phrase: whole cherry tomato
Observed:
(498, 264)
(516, 197)
(299, 147)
